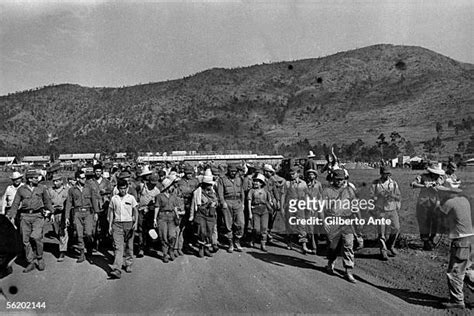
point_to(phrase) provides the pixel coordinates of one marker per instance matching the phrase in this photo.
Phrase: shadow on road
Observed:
(408, 295)
(284, 260)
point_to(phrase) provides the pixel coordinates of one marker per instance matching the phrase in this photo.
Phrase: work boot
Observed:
(201, 251)
(330, 268)
(82, 257)
(30, 267)
(180, 252)
(172, 256)
(350, 277)
(231, 248)
(305, 249)
(427, 245)
(115, 274)
(207, 252)
(61, 256)
(140, 254)
(215, 248)
(263, 246)
(393, 252)
(238, 247)
(166, 259)
(128, 269)
(383, 255)
(251, 244)
(41, 265)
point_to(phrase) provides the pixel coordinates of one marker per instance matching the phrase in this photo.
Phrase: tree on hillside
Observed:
(409, 149)
(461, 147)
(381, 143)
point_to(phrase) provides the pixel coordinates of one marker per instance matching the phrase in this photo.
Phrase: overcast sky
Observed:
(98, 43)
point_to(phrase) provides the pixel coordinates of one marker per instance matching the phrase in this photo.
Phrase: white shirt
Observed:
(122, 206)
(9, 196)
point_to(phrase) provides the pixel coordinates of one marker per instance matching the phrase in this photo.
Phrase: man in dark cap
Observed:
(102, 188)
(334, 210)
(295, 190)
(185, 188)
(83, 201)
(230, 191)
(34, 200)
(387, 197)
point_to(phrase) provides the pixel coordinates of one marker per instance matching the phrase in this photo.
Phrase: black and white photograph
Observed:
(237, 157)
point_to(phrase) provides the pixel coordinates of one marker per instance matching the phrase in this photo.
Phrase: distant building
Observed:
(35, 159)
(7, 160)
(79, 157)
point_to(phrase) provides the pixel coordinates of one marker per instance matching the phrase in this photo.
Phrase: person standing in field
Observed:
(457, 210)
(387, 198)
(425, 207)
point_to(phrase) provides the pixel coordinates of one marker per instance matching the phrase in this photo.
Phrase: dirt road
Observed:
(250, 282)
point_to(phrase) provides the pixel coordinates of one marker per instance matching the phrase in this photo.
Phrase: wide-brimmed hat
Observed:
(260, 177)
(207, 177)
(145, 171)
(436, 169)
(167, 183)
(57, 177)
(311, 154)
(449, 187)
(124, 175)
(268, 167)
(311, 170)
(16, 175)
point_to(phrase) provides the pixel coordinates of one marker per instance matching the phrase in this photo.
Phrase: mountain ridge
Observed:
(339, 98)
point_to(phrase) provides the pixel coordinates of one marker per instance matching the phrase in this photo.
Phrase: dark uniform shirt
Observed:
(81, 199)
(168, 203)
(32, 199)
(230, 189)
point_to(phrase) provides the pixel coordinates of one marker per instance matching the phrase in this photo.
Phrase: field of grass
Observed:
(363, 178)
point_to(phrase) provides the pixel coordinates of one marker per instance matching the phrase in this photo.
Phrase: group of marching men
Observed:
(184, 209)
